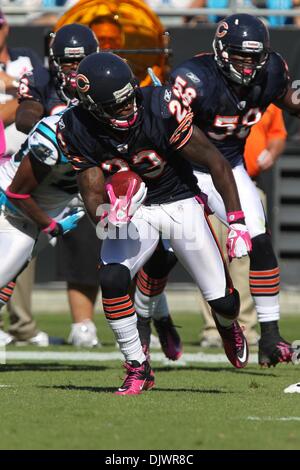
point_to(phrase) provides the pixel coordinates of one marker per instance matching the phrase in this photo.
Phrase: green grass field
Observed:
(70, 405)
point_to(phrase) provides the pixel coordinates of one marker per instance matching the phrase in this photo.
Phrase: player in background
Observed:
(119, 126)
(264, 145)
(46, 92)
(14, 62)
(229, 90)
(36, 186)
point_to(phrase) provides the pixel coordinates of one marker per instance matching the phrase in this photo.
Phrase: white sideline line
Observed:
(112, 356)
(270, 418)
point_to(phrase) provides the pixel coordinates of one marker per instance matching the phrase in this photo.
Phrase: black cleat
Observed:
(169, 338)
(144, 329)
(273, 350)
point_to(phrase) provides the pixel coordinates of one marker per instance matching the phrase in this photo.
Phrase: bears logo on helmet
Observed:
(241, 47)
(114, 97)
(68, 46)
(82, 82)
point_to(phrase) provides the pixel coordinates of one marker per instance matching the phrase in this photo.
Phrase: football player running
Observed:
(117, 126)
(228, 91)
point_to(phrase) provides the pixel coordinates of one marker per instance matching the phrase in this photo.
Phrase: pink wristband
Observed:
(16, 195)
(50, 227)
(234, 216)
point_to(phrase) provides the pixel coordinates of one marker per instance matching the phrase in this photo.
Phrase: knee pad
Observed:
(228, 306)
(262, 256)
(161, 263)
(114, 280)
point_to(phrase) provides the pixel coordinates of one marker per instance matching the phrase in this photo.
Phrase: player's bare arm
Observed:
(8, 111)
(30, 173)
(200, 151)
(28, 114)
(92, 190)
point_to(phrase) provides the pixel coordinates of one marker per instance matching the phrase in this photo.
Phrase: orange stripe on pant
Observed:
(147, 279)
(266, 290)
(4, 297)
(116, 300)
(258, 282)
(148, 289)
(124, 308)
(149, 292)
(116, 316)
(118, 307)
(270, 272)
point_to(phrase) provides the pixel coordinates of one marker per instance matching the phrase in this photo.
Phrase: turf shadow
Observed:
(113, 389)
(50, 367)
(193, 390)
(80, 388)
(214, 369)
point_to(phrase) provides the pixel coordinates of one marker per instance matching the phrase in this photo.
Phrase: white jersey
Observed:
(57, 189)
(15, 68)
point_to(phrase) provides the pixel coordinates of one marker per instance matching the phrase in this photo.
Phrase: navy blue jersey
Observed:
(16, 53)
(150, 149)
(38, 85)
(224, 117)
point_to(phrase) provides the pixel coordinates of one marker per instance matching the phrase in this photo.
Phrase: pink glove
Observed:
(123, 208)
(238, 239)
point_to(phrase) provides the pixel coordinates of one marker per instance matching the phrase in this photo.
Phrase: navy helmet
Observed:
(69, 45)
(106, 86)
(241, 46)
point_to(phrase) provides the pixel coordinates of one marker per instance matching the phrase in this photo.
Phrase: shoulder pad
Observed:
(42, 141)
(33, 83)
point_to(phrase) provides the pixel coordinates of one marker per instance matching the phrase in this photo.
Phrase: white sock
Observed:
(267, 308)
(155, 307)
(127, 336)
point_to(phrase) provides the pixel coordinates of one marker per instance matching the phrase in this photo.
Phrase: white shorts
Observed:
(184, 224)
(20, 240)
(249, 197)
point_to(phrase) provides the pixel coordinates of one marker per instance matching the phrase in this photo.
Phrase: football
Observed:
(120, 182)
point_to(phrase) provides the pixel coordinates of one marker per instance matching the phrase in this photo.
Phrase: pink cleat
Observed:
(234, 342)
(169, 338)
(138, 379)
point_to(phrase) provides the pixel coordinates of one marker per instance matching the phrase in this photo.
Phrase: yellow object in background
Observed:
(124, 25)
